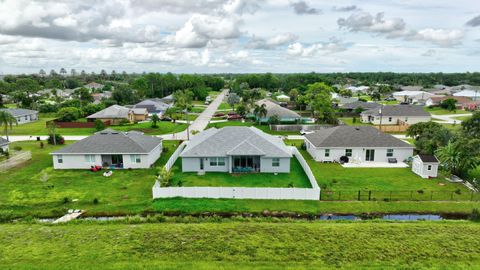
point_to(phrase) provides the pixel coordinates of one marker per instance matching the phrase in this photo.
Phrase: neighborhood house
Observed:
(110, 148)
(236, 150)
(284, 114)
(412, 96)
(356, 143)
(117, 114)
(23, 115)
(153, 106)
(395, 115)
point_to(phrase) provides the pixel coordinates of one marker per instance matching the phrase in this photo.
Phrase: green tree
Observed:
(7, 120)
(52, 130)
(320, 101)
(232, 100)
(165, 177)
(471, 127)
(429, 136)
(154, 120)
(183, 101)
(242, 109)
(260, 111)
(459, 156)
(99, 125)
(274, 120)
(68, 114)
(449, 104)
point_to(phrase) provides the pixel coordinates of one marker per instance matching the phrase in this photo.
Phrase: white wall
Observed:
(190, 164)
(27, 118)
(380, 153)
(393, 120)
(266, 165)
(421, 168)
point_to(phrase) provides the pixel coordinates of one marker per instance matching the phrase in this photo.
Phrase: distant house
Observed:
(4, 144)
(412, 97)
(168, 99)
(284, 114)
(411, 88)
(425, 165)
(110, 148)
(472, 94)
(283, 98)
(236, 149)
(153, 106)
(22, 115)
(94, 86)
(359, 104)
(358, 89)
(97, 97)
(117, 114)
(395, 115)
(461, 102)
(362, 143)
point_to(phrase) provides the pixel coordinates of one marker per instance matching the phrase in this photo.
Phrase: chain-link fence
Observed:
(410, 195)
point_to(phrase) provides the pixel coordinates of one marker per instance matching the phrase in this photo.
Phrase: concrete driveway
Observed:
(449, 118)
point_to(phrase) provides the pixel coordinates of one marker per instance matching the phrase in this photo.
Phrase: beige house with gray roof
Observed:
(236, 150)
(395, 115)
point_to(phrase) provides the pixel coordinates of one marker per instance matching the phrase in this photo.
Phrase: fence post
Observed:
(320, 196)
(369, 195)
(359, 195)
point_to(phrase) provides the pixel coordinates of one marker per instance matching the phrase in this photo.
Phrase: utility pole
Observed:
(381, 116)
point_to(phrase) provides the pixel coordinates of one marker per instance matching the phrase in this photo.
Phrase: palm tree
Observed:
(7, 120)
(457, 158)
(183, 101)
(260, 111)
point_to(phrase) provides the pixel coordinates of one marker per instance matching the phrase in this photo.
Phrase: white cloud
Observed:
(272, 42)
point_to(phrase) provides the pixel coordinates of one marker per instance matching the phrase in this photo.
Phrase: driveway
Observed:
(449, 118)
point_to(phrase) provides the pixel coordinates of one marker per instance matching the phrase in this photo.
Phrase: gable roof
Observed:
(428, 158)
(15, 112)
(275, 109)
(153, 105)
(354, 136)
(459, 99)
(230, 141)
(114, 111)
(110, 141)
(398, 110)
(360, 104)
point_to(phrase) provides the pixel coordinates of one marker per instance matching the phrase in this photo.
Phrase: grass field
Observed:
(242, 245)
(462, 118)
(349, 121)
(224, 106)
(441, 111)
(39, 128)
(296, 178)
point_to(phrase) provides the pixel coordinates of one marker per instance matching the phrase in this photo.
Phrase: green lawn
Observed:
(349, 121)
(198, 109)
(39, 128)
(441, 111)
(224, 106)
(264, 128)
(296, 178)
(389, 102)
(462, 118)
(242, 245)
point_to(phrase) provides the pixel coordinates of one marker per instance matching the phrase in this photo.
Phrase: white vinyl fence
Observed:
(312, 193)
(175, 155)
(15, 159)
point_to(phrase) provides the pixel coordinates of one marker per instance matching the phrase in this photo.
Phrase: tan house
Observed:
(117, 114)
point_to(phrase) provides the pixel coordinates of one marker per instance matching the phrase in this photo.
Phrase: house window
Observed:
(90, 158)
(389, 152)
(135, 159)
(429, 168)
(406, 119)
(275, 162)
(60, 159)
(389, 119)
(26, 117)
(217, 161)
(348, 152)
(213, 161)
(221, 161)
(327, 152)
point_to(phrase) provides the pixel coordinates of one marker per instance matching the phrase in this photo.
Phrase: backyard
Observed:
(442, 111)
(296, 178)
(264, 128)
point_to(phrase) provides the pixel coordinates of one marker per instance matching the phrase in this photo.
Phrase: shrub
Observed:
(68, 114)
(58, 139)
(95, 201)
(66, 200)
(17, 148)
(124, 122)
(99, 125)
(475, 215)
(420, 191)
(458, 191)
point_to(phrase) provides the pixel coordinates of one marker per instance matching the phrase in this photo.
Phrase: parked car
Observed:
(305, 132)
(234, 117)
(219, 115)
(390, 99)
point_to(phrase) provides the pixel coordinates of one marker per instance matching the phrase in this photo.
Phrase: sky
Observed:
(240, 36)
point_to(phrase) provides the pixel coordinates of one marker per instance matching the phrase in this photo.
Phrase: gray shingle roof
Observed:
(19, 112)
(354, 136)
(235, 141)
(110, 141)
(360, 104)
(428, 158)
(275, 109)
(114, 111)
(3, 141)
(153, 105)
(398, 110)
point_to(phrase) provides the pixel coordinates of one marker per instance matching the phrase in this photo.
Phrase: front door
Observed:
(370, 155)
(201, 164)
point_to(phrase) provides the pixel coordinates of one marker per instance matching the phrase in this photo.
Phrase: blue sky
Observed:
(239, 36)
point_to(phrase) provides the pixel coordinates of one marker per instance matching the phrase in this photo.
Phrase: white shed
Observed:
(425, 165)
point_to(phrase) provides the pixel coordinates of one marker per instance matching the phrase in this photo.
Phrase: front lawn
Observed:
(462, 118)
(296, 178)
(224, 106)
(441, 111)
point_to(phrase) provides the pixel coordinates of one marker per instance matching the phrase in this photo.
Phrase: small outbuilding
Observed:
(4, 144)
(425, 165)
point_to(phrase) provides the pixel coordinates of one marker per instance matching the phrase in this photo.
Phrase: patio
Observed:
(373, 164)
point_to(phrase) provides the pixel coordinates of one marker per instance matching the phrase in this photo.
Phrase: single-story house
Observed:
(359, 104)
(283, 98)
(284, 114)
(22, 115)
(395, 115)
(362, 143)
(168, 99)
(472, 94)
(358, 89)
(94, 86)
(425, 165)
(4, 144)
(412, 96)
(461, 102)
(411, 87)
(110, 148)
(236, 149)
(97, 97)
(153, 106)
(116, 114)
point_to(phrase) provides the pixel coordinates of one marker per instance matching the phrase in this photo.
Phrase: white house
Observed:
(110, 148)
(283, 97)
(425, 165)
(472, 94)
(236, 149)
(412, 96)
(360, 143)
(22, 115)
(4, 144)
(395, 115)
